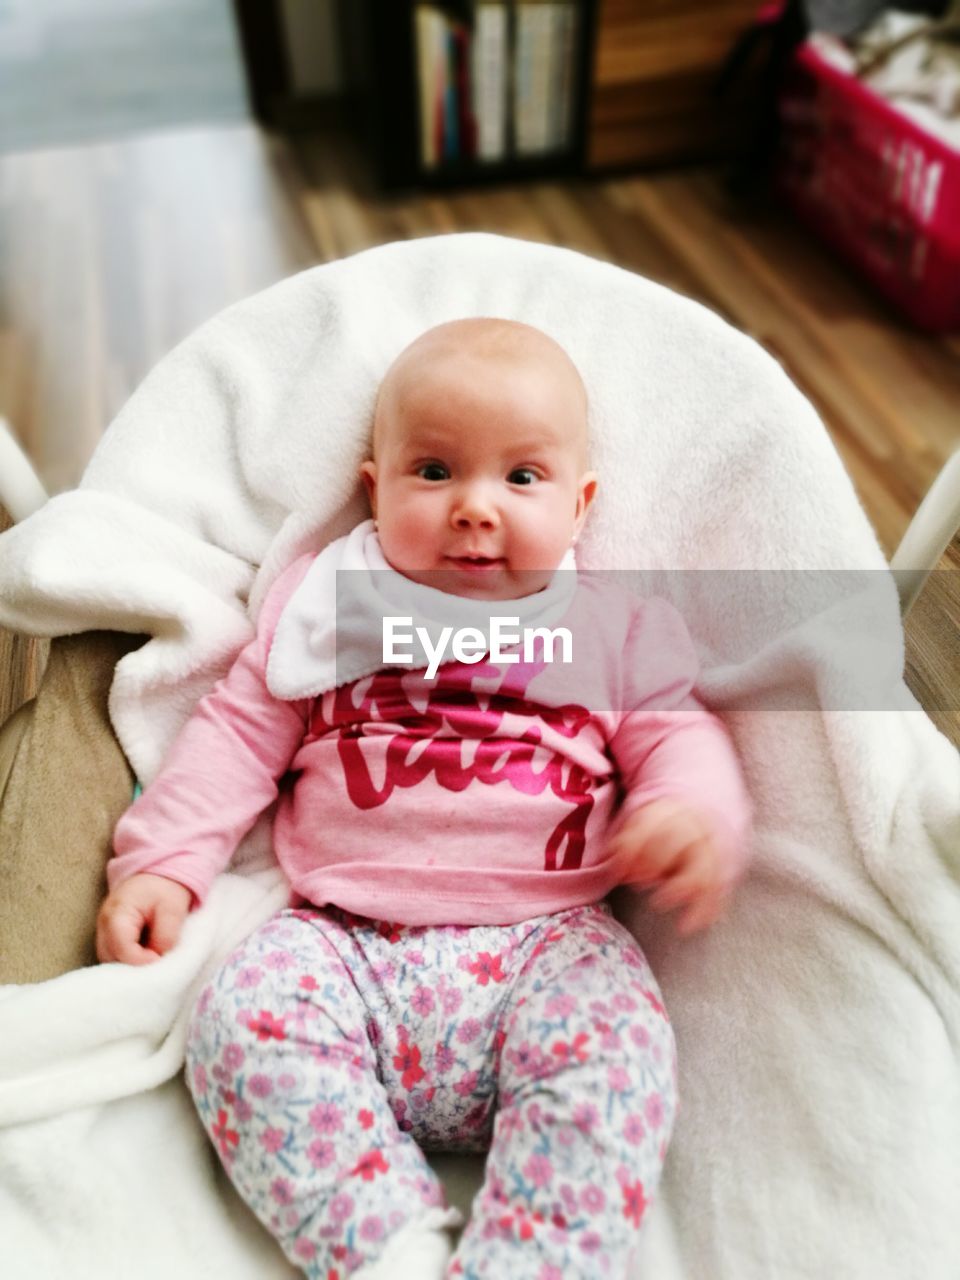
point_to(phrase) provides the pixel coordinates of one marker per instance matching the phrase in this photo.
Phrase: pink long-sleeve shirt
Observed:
(482, 796)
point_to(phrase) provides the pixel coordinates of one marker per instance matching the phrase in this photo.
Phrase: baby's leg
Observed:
(587, 1101)
(285, 1081)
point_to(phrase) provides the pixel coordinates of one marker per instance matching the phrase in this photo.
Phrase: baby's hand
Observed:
(671, 848)
(141, 919)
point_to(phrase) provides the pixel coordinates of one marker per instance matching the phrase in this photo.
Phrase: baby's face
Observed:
(478, 483)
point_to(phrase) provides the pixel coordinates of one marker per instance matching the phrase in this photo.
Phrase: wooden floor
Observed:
(113, 253)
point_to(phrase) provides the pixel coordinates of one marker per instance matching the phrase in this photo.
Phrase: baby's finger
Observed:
(664, 854)
(707, 911)
(124, 928)
(165, 927)
(694, 876)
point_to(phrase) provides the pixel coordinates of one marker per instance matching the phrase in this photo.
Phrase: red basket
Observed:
(875, 185)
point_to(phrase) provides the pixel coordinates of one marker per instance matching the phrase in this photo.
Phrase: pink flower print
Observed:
(585, 1116)
(279, 960)
(260, 1086)
(640, 1036)
(634, 1130)
(306, 1250)
(243, 1110)
(384, 972)
(560, 1006)
(487, 968)
(365, 1117)
(618, 1079)
(634, 1201)
(590, 1242)
(653, 1109)
(568, 1052)
(233, 1057)
(509, 1120)
(467, 1083)
(320, 1153)
(414, 957)
(529, 1060)
(225, 1138)
(369, 1165)
(326, 1117)
(282, 1190)
(520, 1221)
(309, 983)
(468, 1030)
(372, 1228)
(538, 1170)
(654, 1003)
(341, 1206)
(267, 1026)
(272, 1140)
(549, 1272)
(249, 977)
(452, 1000)
(407, 1060)
(624, 1003)
(592, 1198)
(444, 1057)
(422, 1001)
(569, 1198)
(553, 936)
(287, 1081)
(201, 1083)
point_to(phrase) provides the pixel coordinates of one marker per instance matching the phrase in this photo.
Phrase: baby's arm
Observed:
(220, 775)
(683, 827)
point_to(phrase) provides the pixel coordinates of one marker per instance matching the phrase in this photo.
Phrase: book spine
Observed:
(565, 78)
(489, 65)
(466, 120)
(451, 123)
(533, 75)
(424, 20)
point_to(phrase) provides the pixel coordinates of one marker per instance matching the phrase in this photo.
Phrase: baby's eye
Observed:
(433, 471)
(522, 475)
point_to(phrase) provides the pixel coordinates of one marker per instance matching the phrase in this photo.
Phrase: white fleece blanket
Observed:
(818, 1025)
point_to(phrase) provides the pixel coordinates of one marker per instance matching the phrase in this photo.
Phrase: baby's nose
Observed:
(475, 508)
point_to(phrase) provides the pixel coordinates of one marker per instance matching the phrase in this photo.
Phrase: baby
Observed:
(448, 976)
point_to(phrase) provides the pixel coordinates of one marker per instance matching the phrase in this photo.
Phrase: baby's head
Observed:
(479, 481)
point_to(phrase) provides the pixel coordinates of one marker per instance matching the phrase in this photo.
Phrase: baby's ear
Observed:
(368, 474)
(586, 492)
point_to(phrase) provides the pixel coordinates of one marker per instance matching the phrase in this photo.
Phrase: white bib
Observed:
(331, 629)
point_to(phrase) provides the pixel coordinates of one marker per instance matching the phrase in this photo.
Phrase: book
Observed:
(489, 65)
(533, 77)
(564, 77)
(466, 118)
(430, 29)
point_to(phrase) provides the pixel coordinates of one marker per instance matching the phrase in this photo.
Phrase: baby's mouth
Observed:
(477, 563)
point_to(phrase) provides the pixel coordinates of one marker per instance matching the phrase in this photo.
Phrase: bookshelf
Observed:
(479, 91)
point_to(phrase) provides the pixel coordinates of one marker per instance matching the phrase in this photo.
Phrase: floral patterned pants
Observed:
(330, 1051)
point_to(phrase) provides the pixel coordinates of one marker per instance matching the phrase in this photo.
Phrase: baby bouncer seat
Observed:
(817, 1025)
